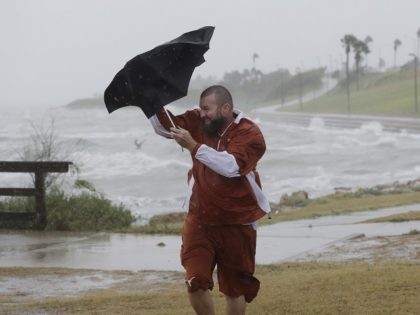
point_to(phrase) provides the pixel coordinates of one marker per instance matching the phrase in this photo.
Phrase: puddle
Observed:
(105, 251)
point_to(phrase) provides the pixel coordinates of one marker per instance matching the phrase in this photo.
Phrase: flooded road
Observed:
(108, 251)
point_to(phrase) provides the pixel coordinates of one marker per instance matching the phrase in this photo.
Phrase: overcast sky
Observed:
(54, 51)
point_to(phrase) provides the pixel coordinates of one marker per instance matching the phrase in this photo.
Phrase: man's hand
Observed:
(183, 138)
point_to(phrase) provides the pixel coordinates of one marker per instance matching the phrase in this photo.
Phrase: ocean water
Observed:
(152, 179)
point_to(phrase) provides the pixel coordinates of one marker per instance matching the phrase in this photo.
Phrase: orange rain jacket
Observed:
(224, 186)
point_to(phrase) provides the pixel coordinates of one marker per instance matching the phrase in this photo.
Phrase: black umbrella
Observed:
(159, 76)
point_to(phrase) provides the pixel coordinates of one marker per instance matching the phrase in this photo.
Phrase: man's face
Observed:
(211, 115)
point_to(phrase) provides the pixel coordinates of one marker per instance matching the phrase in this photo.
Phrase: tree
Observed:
(418, 40)
(348, 41)
(254, 57)
(233, 79)
(359, 48)
(368, 40)
(381, 63)
(44, 146)
(397, 43)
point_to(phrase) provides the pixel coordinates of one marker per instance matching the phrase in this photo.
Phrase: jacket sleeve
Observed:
(162, 124)
(221, 162)
(243, 152)
(248, 146)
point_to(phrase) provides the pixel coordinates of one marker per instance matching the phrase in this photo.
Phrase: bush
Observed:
(86, 211)
(89, 211)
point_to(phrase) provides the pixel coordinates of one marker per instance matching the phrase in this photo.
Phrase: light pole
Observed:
(415, 82)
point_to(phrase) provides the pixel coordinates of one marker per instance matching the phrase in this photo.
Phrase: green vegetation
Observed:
(84, 103)
(390, 93)
(170, 223)
(87, 211)
(401, 217)
(414, 232)
(84, 210)
(92, 211)
(335, 204)
(249, 88)
(296, 288)
(252, 87)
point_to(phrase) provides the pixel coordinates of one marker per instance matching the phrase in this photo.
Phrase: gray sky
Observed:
(54, 51)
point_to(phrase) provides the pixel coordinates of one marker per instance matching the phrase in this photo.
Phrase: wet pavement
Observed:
(285, 241)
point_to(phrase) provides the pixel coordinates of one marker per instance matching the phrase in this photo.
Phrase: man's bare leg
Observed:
(202, 302)
(235, 306)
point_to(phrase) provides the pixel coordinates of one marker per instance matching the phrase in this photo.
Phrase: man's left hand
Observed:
(183, 138)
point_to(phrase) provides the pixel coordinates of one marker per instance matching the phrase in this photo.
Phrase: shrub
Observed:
(89, 211)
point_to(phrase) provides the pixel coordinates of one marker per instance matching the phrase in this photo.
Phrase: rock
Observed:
(161, 244)
(343, 189)
(297, 198)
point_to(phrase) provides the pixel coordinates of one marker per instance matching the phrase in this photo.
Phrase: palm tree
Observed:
(348, 40)
(368, 40)
(397, 43)
(418, 39)
(359, 48)
(254, 57)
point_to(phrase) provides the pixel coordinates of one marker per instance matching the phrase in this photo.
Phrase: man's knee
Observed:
(195, 283)
(238, 284)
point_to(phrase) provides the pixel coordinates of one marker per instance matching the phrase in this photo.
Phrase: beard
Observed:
(212, 127)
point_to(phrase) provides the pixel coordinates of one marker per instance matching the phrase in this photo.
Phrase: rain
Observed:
(333, 86)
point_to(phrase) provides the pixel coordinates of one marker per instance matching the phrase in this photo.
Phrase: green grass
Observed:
(400, 217)
(334, 204)
(337, 204)
(390, 93)
(297, 288)
(170, 223)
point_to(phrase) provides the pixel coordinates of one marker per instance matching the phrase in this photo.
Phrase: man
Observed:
(224, 200)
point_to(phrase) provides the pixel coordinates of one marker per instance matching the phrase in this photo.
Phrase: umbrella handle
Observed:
(172, 122)
(169, 116)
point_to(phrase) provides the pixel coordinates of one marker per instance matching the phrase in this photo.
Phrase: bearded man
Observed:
(224, 199)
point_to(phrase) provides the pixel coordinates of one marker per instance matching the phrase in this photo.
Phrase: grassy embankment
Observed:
(91, 211)
(335, 204)
(401, 217)
(305, 288)
(390, 93)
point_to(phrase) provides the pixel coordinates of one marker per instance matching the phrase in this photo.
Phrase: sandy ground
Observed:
(368, 249)
(25, 284)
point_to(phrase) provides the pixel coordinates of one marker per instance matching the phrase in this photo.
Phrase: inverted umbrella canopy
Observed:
(159, 76)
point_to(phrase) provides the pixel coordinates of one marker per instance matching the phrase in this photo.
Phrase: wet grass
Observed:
(389, 93)
(337, 204)
(334, 204)
(170, 223)
(297, 288)
(401, 217)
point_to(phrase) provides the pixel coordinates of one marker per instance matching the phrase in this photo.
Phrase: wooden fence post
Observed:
(40, 207)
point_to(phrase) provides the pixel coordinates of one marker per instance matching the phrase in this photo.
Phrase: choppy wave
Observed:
(316, 158)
